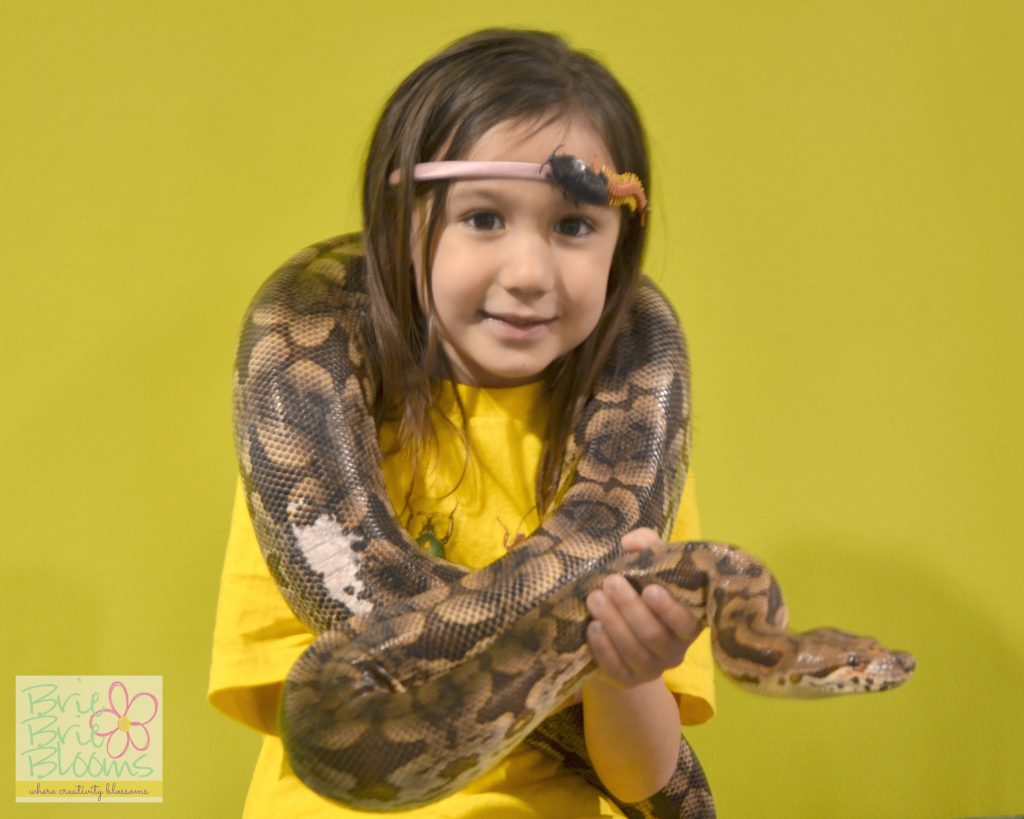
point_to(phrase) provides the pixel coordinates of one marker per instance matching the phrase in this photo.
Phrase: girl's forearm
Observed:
(632, 735)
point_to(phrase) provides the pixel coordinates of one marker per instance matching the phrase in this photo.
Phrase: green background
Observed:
(837, 216)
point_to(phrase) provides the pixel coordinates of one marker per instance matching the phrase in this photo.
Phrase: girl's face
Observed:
(520, 272)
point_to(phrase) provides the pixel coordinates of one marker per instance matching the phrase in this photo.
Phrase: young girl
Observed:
(495, 297)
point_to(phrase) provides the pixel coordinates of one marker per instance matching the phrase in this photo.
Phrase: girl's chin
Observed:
(500, 374)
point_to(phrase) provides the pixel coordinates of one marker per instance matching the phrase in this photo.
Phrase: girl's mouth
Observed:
(519, 321)
(517, 328)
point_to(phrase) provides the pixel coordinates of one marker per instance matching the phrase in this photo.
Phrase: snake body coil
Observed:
(423, 674)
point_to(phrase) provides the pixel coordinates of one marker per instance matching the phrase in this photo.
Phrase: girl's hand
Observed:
(635, 637)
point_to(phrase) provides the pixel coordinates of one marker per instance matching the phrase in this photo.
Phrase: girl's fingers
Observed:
(649, 633)
(641, 539)
(619, 610)
(677, 618)
(606, 656)
(611, 641)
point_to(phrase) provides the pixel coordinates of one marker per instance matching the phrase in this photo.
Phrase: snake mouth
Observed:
(906, 661)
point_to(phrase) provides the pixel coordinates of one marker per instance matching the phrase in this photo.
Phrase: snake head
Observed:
(829, 662)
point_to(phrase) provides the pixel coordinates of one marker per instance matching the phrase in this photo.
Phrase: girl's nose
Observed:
(529, 266)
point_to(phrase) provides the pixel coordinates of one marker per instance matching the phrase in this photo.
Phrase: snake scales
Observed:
(423, 675)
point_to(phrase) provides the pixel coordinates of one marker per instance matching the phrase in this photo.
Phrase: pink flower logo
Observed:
(124, 722)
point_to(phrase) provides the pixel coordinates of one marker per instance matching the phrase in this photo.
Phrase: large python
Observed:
(423, 674)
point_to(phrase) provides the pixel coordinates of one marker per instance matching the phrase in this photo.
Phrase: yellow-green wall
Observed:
(837, 216)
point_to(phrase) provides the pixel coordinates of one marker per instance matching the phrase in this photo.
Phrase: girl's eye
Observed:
(484, 220)
(574, 226)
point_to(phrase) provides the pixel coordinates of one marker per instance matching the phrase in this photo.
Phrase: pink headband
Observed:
(459, 169)
(578, 180)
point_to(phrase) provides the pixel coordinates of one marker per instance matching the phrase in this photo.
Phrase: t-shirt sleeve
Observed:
(692, 682)
(256, 639)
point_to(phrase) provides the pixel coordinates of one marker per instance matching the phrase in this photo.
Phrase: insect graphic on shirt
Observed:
(428, 539)
(505, 538)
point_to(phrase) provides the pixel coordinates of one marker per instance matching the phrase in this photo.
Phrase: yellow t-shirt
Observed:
(257, 638)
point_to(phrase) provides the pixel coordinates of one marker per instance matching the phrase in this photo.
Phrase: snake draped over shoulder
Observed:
(423, 674)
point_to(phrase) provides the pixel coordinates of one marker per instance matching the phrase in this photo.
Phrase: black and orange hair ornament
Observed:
(598, 186)
(579, 181)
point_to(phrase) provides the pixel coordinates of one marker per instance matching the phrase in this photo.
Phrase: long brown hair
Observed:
(438, 113)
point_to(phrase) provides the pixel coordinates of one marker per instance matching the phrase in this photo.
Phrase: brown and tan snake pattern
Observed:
(423, 674)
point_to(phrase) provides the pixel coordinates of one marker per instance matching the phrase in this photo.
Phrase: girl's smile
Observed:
(516, 328)
(519, 273)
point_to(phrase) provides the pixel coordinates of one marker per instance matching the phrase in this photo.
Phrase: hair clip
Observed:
(593, 185)
(597, 186)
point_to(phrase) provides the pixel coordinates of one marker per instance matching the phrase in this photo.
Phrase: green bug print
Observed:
(428, 539)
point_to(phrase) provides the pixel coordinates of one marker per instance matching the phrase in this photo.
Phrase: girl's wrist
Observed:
(605, 685)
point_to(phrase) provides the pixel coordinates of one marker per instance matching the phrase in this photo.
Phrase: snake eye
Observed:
(852, 660)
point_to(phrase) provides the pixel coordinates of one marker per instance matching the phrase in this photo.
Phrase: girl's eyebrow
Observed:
(476, 190)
